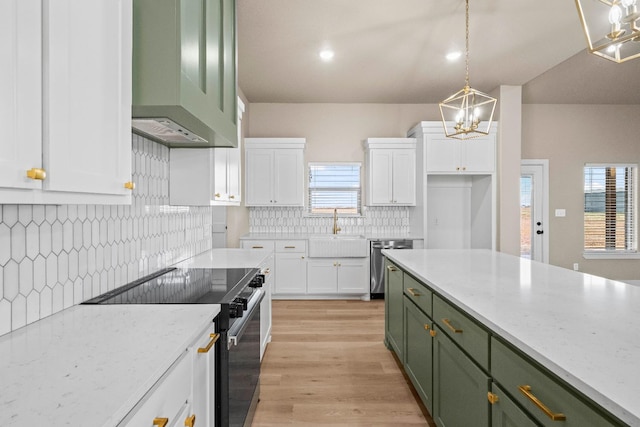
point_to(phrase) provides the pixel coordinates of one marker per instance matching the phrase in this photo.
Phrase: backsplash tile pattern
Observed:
(53, 257)
(391, 221)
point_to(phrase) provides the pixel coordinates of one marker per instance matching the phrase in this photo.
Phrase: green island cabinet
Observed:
(184, 69)
(467, 375)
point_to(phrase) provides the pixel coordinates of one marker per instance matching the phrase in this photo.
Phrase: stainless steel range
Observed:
(238, 292)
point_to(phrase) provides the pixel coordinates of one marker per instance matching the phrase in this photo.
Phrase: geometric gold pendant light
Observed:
(612, 28)
(467, 113)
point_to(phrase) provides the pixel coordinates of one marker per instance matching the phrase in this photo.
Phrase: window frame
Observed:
(308, 207)
(613, 253)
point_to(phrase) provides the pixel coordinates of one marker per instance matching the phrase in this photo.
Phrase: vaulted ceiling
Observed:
(393, 51)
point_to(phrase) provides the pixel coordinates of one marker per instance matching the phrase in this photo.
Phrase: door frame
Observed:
(544, 199)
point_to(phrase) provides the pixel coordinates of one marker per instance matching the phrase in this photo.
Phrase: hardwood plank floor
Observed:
(327, 365)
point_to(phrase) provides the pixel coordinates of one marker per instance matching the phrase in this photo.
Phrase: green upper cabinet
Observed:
(184, 72)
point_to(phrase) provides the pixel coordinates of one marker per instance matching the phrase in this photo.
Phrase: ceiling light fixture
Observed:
(326, 55)
(612, 28)
(467, 113)
(452, 56)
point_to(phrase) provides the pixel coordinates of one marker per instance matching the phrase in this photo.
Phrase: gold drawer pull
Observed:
(37, 173)
(266, 271)
(413, 292)
(391, 268)
(216, 195)
(289, 247)
(493, 398)
(214, 338)
(161, 422)
(526, 390)
(130, 185)
(432, 333)
(257, 247)
(426, 327)
(450, 326)
(232, 196)
(190, 421)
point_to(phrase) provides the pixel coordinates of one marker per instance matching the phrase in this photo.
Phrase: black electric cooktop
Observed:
(182, 286)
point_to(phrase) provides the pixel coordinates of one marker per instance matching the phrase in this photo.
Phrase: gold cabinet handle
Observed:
(450, 326)
(391, 268)
(493, 398)
(161, 422)
(302, 257)
(267, 271)
(257, 247)
(190, 421)
(214, 338)
(526, 390)
(216, 195)
(432, 333)
(289, 247)
(130, 185)
(232, 197)
(37, 173)
(413, 292)
(426, 327)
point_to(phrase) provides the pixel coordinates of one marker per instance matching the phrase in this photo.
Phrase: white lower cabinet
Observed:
(292, 274)
(267, 268)
(185, 392)
(341, 275)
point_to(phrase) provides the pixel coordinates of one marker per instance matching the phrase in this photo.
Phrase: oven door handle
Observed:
(238, 328)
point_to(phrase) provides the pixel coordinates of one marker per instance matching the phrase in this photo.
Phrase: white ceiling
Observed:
(393, 51)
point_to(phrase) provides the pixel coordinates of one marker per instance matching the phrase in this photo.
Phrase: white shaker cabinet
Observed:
(391, 171)
(204, 176)
(274, 171)
(340, 275)
(447, 155)
(20, 92)
(83, 152)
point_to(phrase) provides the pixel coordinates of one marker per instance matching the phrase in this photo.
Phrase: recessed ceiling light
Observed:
(452, 56)
(326, 54)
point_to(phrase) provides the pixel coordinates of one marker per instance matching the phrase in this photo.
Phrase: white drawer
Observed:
(268, 245)
(296, 246)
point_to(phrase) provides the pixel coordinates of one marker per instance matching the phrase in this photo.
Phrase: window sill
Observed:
(611, 255)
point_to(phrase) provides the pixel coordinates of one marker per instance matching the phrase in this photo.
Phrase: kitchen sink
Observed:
(338, 246)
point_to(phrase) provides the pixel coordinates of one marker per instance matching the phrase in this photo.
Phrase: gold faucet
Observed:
(335, 222)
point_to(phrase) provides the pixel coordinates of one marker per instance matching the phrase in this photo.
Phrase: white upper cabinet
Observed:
(274, 171)
(445, 155)
(20, 92)
(391, 171)
(76, 125)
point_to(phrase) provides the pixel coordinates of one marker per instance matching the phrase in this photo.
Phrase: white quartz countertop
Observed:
(226, 258)
(305, 236)
(89, 365)
(584, 328)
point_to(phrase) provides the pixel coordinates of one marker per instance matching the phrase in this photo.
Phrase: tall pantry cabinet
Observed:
(456, 189)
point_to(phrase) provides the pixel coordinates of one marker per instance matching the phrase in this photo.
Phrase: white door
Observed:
(258, 177)
(20, 92)
(322, 276)
(288, 178)
(404, 177)
(381, 178)
(352, 276)
(87, 95)
(534, 200)
(220, 175)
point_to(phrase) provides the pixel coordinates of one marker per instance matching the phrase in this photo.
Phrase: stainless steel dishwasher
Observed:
(377, 263)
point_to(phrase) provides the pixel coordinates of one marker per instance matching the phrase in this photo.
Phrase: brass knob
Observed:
(432, 332)
(130, 185)
(493, 398)
(426, 327)
(160, 422)
(190, 421)
(232, 197)
(37, 173)
(216, 195)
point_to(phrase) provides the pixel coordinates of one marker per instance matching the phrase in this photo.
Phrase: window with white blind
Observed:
(334, 186)
(610, 209)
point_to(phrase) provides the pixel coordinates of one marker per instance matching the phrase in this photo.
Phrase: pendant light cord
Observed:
(467, 43)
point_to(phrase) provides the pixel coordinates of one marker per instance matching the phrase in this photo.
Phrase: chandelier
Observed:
(467, 113)
(612, 28)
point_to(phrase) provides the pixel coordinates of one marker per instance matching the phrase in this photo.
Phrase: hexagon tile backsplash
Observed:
(55, 256)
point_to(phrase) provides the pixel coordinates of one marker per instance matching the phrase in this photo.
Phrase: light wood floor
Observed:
(327, 365)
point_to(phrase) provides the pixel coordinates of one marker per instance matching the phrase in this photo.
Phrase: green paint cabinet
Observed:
(505, 413)
(418, 350)
(184, 69)
(394, 308)
(459, 386)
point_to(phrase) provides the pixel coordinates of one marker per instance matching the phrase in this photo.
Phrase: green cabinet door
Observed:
(394, 311)
(418, 347)
(505, 413)
(459, 387)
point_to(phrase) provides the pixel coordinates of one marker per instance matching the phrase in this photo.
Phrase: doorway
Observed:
(534, 210)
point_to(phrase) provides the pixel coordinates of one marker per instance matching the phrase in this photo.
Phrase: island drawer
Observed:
(267, 245)
(541, 395)
(418, 293)
(463, 331)
(298, 246)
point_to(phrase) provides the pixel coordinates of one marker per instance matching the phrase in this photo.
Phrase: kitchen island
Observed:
(579, 330)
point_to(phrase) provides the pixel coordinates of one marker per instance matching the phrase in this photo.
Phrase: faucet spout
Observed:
(335, 222)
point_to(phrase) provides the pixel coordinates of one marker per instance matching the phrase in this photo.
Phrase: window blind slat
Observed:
(334, 186)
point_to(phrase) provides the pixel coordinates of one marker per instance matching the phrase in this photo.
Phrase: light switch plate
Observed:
(561, 212)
